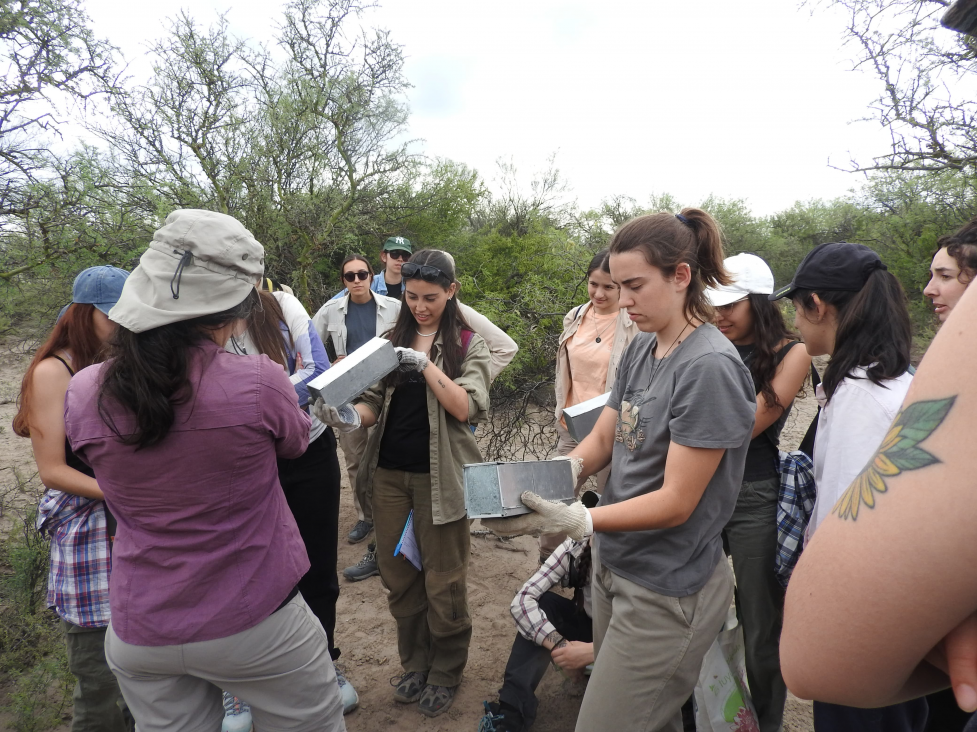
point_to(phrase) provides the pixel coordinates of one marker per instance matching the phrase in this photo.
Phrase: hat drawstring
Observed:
(178, 275)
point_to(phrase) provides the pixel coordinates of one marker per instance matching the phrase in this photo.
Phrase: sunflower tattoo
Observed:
(899, 452)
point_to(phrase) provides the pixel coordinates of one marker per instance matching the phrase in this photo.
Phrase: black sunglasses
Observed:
(412, 270)
(398, 254)
(351, 276)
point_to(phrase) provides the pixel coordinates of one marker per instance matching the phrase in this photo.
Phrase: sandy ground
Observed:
(365, 631)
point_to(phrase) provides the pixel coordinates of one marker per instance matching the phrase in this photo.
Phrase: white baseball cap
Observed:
(750, 275)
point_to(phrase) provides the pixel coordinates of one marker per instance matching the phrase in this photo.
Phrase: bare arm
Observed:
(688, 471)
(877, 591)
(786, 383)
(50, 383)
(452, 397)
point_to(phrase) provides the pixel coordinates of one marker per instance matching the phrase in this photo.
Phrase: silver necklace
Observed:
(658, 362)
(599, 332)
(425, 335)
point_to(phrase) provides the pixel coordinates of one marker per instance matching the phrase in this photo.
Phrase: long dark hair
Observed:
(769, 331)
(874, 331)
(73, 333)
(666, 241)
(265, 329)
(962, 246)
(452, 321)
(148, 373)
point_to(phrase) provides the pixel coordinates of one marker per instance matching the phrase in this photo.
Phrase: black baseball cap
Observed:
(835, 266)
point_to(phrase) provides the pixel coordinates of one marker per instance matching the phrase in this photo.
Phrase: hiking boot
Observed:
(359, 532)
(366, 567)
(409, 686)
(237, 715)
(436, 700)
(351, 700)
(500, 718)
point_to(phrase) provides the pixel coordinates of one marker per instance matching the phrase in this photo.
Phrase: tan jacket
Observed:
(624, 332)
(452, 443)
(330, 320)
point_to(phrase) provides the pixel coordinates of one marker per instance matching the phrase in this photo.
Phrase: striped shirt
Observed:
(81, 557)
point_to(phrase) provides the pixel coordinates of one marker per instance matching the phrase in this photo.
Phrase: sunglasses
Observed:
(351, 276)
(727, 308)
(398, 254)
(425, 272)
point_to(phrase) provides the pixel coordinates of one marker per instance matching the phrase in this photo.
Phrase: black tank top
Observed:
(73, 461)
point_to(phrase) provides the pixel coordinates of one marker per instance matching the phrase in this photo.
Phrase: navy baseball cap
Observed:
(835, 266)
(99, 286)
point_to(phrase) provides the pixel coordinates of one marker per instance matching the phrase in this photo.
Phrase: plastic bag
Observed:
(722, 696)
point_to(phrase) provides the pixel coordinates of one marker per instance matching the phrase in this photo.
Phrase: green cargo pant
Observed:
(751, 539)
(98, 702)
(434, 628)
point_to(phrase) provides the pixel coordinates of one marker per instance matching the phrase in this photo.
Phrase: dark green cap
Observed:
(397, 243)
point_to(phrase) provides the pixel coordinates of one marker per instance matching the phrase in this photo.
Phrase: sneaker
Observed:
(409, 686)
(237, 715)
(366, 567)
(351, 700)
(359, 532)
(436, 700)
(499, 718)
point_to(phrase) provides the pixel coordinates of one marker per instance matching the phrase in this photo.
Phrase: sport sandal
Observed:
(409, 686)
(436, 700)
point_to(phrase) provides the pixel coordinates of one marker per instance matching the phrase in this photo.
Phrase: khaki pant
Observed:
(281, 667)
(566, 444)
(354, 444)
(98, 702)
(434, 628)
(649, 649)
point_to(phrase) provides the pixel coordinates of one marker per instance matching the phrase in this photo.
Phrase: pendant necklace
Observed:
(600, 332)
(658, 362)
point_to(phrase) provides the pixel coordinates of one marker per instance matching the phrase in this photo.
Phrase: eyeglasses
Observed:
(426, 272)
(398, 254)
(351, 276)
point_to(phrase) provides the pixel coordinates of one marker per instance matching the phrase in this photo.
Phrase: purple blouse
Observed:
(206, 545)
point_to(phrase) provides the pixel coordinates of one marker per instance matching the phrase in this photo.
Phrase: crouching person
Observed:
(551, 628)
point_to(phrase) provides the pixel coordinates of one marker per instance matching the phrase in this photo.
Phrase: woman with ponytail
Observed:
(850, 308)
(414, 464)
(676, 430)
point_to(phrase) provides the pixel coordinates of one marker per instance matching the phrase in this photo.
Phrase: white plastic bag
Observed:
(722, 696)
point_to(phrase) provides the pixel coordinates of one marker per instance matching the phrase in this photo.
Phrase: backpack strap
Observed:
(466, 340)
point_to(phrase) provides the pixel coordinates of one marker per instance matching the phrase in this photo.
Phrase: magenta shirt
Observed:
(206, 545)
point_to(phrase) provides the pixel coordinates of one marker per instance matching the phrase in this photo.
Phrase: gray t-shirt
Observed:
(701, 396)
(361, 323)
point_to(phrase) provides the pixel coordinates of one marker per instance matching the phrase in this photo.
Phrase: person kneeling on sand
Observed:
(551, 628)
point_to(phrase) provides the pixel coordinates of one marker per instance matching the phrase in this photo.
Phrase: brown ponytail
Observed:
(667, 240)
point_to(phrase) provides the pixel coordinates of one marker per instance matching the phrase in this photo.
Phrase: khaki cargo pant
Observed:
(434, 628)
(649, 649)
(354, 445)
(98, 702)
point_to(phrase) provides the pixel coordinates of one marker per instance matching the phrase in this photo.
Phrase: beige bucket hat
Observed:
(199, 263)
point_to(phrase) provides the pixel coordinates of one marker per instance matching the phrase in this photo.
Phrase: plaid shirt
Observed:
(532, 622)
(81, 558)
(794, 509)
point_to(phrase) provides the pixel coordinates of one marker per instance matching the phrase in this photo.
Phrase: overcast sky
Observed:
(752, 100)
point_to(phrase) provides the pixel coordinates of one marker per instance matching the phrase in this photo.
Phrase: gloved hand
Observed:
(410, 360)
(548, 517)
(344, 418)
(576, 465)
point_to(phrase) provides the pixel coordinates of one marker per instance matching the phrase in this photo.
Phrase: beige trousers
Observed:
(354, 445)
(649, 649)
(281, 667)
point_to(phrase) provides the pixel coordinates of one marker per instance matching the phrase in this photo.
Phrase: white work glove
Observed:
(548, 517)
(344, 418)
(576, 465)
(410, 360)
